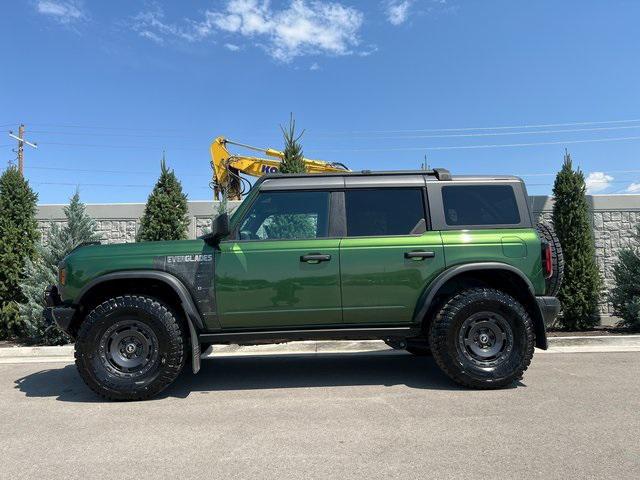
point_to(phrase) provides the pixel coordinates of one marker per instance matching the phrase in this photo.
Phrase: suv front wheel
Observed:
(482, 338)
(130, 348)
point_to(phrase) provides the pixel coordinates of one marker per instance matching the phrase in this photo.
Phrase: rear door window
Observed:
(385, 212)
(480, 205)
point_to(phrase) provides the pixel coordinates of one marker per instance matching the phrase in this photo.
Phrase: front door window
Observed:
(287, 216)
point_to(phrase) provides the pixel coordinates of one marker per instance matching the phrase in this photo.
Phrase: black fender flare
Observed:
(432, 290)
(194, 320)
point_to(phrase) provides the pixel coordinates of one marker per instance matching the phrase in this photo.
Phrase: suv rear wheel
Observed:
(482, 338)
(130, 348)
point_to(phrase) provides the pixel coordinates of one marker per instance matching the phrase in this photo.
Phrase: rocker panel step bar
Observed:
(311, 334)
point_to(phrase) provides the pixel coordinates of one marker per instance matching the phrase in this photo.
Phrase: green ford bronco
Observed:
(451, 266)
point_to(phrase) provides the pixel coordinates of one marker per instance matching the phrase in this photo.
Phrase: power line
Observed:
(466, 147)
(136, 135)
(92, 145)
(501, 127)
(149, 172)
(597, 183)
(118, 185)
(393, 149)
(200, 176)
(87, 170)
(95, 184)
(418, 130)
(549, 174)
(496, 134)
(93, 127)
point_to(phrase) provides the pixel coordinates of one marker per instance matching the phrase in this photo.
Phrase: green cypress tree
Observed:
(625, 295)
(293, 161)
(582, 282)
(292, 226)
(19, 235)
(166, 212)
(42, 272)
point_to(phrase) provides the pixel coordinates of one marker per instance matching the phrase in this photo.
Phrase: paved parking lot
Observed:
(380, 415)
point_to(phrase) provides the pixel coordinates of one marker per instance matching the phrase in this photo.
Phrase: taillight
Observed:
(547, 260)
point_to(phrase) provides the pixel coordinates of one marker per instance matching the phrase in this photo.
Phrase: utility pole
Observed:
(425, 164)
(21, 144)
(21, 149)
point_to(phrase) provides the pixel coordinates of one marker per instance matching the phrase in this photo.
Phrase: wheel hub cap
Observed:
(129, 348)
(485, 338)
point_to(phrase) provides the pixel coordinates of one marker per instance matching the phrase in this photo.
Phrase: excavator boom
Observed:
(227, 166)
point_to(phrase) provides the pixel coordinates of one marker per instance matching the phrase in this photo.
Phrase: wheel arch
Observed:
(495, 274)
(141, 281)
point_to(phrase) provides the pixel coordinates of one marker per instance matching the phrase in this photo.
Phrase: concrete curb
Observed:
(587, 344)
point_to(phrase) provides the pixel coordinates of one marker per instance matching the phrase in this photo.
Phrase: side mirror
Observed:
(219, 228)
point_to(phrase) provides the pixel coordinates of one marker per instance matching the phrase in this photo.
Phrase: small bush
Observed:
(42, 272)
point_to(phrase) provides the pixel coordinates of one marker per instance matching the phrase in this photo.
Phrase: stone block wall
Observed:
(119, 222)
(613, 217)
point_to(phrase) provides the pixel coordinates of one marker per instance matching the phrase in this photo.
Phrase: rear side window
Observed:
(480, 205)
(385, 211)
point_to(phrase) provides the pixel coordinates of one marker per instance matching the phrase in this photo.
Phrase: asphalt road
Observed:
(334, 416)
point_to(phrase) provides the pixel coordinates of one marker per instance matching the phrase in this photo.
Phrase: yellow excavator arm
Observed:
(227, 166)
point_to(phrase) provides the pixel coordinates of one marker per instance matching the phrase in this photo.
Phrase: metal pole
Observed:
(21, 149)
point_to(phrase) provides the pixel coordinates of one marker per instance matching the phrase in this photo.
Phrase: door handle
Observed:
(419, 255)
(315, 258)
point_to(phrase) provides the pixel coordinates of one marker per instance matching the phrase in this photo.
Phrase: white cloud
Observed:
(151, 36)
(304, 27)
(62, 11)
(397, 11)
(152, 25)
(232, 47)
(598, 181)
(634, 188)
(248, 17)
(314, 66)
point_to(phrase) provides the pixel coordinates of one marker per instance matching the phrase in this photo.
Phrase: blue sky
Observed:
(105, 87)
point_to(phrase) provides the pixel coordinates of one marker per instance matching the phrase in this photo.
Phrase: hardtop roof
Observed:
(438, 175)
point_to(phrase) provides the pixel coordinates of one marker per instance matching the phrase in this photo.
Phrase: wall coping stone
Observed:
(621, 202)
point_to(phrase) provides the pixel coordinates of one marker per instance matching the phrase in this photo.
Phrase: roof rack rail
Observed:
(442, 174)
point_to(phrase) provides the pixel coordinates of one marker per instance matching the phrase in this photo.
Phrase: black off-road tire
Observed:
(147, 322)
(457, 322)
(548, 234)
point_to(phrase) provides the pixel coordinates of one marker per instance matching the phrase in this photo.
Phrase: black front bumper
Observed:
(56, 312)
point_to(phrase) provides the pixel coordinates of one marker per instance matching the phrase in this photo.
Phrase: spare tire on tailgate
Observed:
(554, 281)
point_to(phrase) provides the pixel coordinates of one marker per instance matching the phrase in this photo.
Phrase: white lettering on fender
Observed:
(206, 257)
